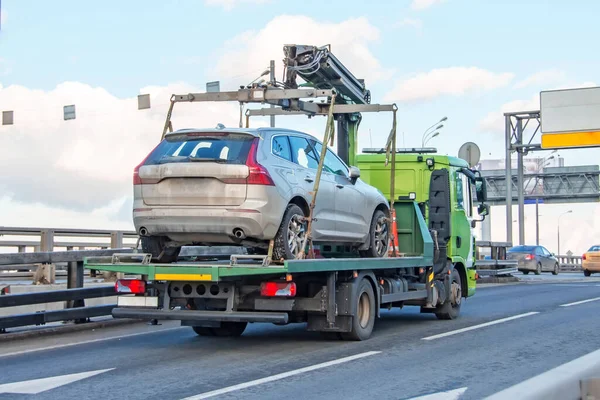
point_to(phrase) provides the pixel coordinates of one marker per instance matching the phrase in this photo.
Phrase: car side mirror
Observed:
(354, 174)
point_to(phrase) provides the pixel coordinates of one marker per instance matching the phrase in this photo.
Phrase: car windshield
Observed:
(594, 248)
(521, 249)
(231, 149)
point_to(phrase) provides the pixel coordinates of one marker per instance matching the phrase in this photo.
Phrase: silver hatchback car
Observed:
(246, 187)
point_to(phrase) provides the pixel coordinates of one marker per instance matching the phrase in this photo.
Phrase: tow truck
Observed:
(332, 290)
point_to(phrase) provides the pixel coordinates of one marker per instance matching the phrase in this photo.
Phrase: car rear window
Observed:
(594, 248)
(518, 249)
(230, 149)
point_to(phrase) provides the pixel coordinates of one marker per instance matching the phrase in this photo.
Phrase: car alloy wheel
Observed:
(296, 233)
(381, 236)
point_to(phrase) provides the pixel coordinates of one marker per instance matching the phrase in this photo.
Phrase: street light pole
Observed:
(558, 229)
(537, 222)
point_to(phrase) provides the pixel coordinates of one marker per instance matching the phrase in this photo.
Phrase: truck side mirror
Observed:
(480, 190)
(354, 174)
(483, 210)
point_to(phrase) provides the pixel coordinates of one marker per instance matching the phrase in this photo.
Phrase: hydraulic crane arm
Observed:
(322, 70)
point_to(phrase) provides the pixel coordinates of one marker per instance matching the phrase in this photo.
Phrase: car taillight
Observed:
(278, 289)
(258, 175)
(136, 286)
(529, 257)
(136, 171)
(584, 257)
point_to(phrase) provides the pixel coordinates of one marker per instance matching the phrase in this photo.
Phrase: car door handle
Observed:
(339, 186)
(309, 179)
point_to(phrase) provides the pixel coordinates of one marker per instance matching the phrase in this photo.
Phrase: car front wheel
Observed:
(378, 236)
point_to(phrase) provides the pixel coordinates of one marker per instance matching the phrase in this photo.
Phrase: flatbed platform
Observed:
(218, 270)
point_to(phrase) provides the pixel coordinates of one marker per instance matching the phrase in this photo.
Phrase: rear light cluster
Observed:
(584, 257)
(529, 257)
(135, 286)
(258, 175)
(278, 289)
(136, 171)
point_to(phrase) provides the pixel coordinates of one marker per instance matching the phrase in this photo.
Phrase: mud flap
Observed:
(439, 216)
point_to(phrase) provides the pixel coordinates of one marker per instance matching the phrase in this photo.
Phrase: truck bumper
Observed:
(178, 315)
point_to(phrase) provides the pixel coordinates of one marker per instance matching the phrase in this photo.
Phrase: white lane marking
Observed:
(60, 346)
(562, 382)
(470, 328)
(449, 395)
(36, 386)
(580, 302)
(277, 377)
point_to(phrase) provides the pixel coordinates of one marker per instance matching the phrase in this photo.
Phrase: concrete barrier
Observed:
(574, 380)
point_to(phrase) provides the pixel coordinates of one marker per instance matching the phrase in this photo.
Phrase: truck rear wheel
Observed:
(364, 319)
(155, 245)
(451, 308)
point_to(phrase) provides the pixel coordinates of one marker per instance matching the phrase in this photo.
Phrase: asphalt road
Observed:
(529, 330)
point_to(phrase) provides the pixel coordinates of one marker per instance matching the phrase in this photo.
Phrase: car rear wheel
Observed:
(379, 238)
(538, 269)
(156, 245)
(555, 272)
(525, 272)
(291, 234)
(587, 273)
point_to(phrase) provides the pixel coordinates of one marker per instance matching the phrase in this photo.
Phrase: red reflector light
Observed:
(258, 175)
(273, 289)
(529, 257)
(136, 286)
(584, 257)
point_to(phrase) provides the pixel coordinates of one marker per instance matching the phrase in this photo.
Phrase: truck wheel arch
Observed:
(463, 277)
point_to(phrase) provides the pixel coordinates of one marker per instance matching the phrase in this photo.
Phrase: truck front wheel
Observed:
(364, 319)
(451, 308)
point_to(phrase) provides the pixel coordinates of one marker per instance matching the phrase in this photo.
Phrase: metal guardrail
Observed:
(74, 295)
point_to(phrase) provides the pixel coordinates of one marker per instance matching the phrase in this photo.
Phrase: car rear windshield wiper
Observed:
(207, 159)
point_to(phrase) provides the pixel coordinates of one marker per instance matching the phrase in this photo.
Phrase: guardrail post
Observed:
(75, 280)
(46, 273)
(116, 242)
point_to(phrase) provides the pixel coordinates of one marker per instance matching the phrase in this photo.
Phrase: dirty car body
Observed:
(234, 186)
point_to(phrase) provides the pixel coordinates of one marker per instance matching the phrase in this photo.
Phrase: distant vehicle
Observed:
(534, 258)
(590, 261)
(247, 186)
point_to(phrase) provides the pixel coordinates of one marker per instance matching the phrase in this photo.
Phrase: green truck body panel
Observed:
(412, 180)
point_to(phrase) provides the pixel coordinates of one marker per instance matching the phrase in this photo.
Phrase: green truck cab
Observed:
(413, 184)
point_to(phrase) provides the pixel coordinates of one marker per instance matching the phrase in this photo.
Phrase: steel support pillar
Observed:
(520, 181)
(272, 77)
(343, 144)
(508, 166)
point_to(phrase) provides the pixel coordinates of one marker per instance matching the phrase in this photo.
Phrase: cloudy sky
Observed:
(469, 60)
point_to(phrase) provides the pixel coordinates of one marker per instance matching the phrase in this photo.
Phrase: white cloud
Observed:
(455, 81)
(229, 5)
(424, 4)
(493, 122)
(83, 164)
(411, 22)
(542, 78)
(247, 55)
(115, 215)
